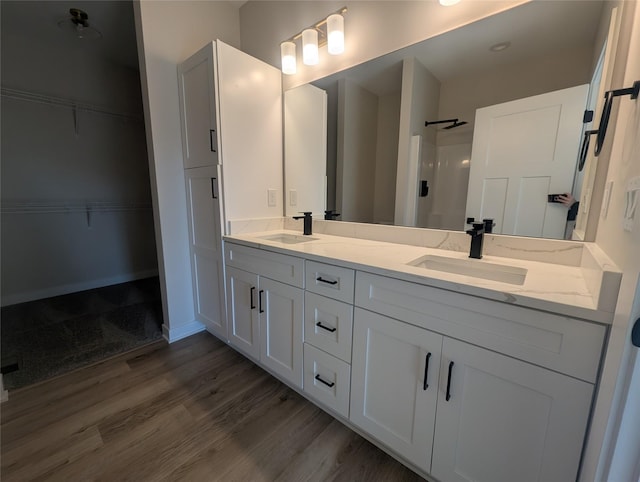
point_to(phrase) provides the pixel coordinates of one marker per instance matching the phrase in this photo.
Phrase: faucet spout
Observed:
(308, 222)
(477, 240)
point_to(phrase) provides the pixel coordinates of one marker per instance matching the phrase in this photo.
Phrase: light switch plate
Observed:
(632, 199)
(271, 197)
(293, 197)
(606, 198)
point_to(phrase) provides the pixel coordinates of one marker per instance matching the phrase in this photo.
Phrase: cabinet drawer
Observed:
(327, 379)
(564, 344)
(278, 267)
(328, 325)
(332, 281)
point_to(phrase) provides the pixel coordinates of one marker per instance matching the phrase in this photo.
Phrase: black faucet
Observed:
(330, 215)
(477, 238)
(307, 222)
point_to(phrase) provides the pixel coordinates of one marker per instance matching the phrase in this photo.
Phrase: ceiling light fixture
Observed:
(329, 31)
(448, 3)
(78, 25)
(499, 47)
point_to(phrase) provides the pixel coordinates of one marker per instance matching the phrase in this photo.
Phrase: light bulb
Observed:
(335, 34)
(288, 53)
(310, 46)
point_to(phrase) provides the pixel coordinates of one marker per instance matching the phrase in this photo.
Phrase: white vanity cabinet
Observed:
(265, 305)
(225, 98)
(328, 332)
(491, 417)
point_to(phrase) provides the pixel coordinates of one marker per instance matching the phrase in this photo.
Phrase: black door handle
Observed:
(425, 385)
(252, 291)
(329, 384)
(212, 140)
(635, 333)
(319, 278)
(449, 382)
(260, 310)
(320, 325)
(213, 188)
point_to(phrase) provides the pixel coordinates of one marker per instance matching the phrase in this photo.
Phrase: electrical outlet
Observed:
(293, 197)
(272, 201)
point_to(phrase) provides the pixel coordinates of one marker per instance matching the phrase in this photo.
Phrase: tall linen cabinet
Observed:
(231, 123)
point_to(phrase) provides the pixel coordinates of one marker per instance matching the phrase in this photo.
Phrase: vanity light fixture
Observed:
(314, 37)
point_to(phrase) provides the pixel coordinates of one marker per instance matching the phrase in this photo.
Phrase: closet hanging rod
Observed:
(62, 102)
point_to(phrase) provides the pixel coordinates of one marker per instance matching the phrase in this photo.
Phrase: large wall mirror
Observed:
(504, 99)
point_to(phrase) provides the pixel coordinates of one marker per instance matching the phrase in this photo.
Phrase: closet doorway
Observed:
(78, 253)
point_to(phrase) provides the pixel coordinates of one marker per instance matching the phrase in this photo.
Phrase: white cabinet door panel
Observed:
(506, 420)
(389, 397)
(242, 311)
(281, 318)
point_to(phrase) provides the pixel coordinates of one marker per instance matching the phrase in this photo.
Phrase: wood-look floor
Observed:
(195, 411)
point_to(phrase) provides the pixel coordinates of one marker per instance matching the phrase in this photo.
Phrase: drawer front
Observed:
(564, 344)
(328, 325)
(332, 281)
(275, 266)
(327, 379)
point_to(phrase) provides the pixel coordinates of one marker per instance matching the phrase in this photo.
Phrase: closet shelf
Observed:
(72, 206)
(67, 103)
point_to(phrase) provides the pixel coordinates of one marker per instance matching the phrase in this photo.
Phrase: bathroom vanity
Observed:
(458, 376)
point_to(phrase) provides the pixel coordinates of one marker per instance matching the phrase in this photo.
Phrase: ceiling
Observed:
(534, 29)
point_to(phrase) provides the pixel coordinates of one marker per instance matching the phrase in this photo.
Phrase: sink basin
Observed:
(288, 238)
(472, 267)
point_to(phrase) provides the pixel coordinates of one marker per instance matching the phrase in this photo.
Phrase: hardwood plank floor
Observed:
(195, 410)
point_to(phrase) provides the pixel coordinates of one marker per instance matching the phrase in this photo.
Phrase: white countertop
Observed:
(550, 287)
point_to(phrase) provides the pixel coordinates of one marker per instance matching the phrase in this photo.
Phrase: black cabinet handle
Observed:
(260, 310)
(635, 333)
(212, 140)
(253, 290)
(319, 278)
(320, 325)
(425, 385)
(449, 382)
(329, 384)
(213, 188)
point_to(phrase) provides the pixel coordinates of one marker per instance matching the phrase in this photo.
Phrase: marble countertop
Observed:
(550, 287)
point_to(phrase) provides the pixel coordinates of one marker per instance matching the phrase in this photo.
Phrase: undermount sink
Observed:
(287, 238)
(472, 267)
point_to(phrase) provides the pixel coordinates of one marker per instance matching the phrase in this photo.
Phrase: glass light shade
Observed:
(288, 53)
(335, 34)
(448, 3)
(310, 47)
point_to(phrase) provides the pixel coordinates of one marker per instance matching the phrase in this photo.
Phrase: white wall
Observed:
(47, 165)
(169, 32)
(357, 125)
(372, 28)
(386, 158)
(623, 247)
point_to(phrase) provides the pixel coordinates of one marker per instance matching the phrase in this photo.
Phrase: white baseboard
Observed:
(182, 331)
(23, 297)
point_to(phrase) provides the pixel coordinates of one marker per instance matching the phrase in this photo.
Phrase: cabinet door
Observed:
(281, 317)
(394, 384)
(196, 79)
(203, 209)
(242, 311)
(506, 420)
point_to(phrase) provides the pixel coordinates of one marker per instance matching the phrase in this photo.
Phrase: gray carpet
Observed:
(45, 338)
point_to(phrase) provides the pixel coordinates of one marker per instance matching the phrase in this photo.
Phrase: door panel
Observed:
(388, 395)
(242, 311)
(506, 420)
(519, 146)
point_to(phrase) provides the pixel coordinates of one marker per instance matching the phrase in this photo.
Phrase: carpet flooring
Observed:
(45, 338)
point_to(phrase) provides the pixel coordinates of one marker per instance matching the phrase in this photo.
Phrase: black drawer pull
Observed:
(320, 325)
(319, 278)
(253, 304)
(425, 385)
(329, 384)
(260, 310)
(449, 382)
